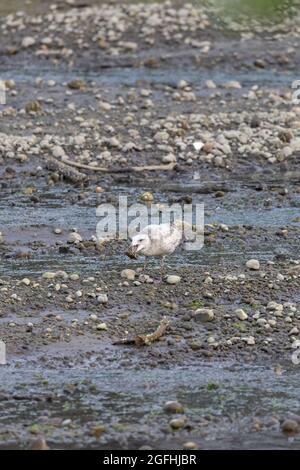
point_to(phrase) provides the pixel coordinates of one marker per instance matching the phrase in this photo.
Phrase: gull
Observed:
(157, 240)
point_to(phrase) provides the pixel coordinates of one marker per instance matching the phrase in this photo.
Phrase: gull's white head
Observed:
(140, 242)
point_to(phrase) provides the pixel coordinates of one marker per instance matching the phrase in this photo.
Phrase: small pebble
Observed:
(102, 299)
(173, 407)
(28, 41)
(203, 315)
(190, 445)
(75, 238)
(128, 274)
(101, 326)
(177, 423)
(290, 426)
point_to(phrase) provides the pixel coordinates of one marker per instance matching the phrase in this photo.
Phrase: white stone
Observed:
(161, 136)
(249, 340)
(49, 275)
(102, 299)
(128, 274)
(101, 326)
(74, 237)
(275, 306)
(210, 84)
(58, 151)
(253, 264)
(198, 145)
(182, 84)
(28, 41)
(105, 106)
(204, 315)
(170, 158)
(295, 144)
(173, 279)
(233, 84)
(241, 314)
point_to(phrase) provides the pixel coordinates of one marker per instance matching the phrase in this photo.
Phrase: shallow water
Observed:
(230, 393)
(24, 223)
(128, 76)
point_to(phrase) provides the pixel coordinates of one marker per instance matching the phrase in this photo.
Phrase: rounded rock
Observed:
(190, 445)
(173, 407)
(253, 264)
(128, 274)
(173, 279)
(147, 197)
(203, 315)
(102, 299)
(290, 426)
(49, 275)
(241, 314)
(28, 41)
(177, 423)
(74, 237)
(101, 326)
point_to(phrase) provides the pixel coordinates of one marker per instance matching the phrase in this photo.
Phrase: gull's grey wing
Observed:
(157, 232)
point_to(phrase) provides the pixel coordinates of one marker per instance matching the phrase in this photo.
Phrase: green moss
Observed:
(34, 429)
(195, 304)
(240, 326)
(212, 386)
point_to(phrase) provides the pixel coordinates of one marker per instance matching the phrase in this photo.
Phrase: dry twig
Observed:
(167, 167)
(61, 167)
(142, 340)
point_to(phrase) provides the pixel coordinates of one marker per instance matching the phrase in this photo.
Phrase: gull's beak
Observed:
(132, 252)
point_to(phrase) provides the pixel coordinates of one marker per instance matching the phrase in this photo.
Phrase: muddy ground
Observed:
(118, 87)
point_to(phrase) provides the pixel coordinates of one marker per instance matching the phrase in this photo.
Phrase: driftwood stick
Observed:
(71, 174)
(167, 167)
(142, 340)
(84, 166)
